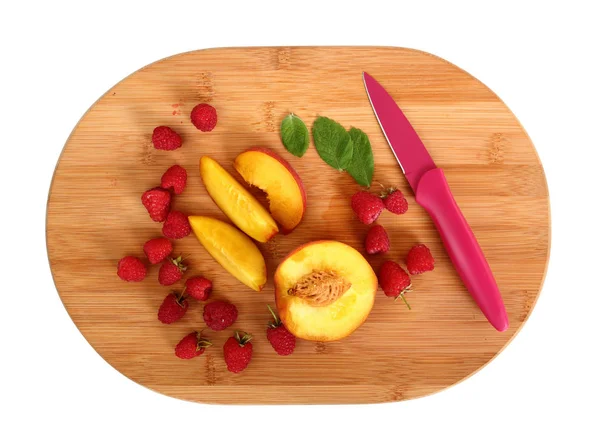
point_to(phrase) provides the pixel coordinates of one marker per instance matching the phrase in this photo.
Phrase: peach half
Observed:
(231, 249)
(272, 174)
(324, 290)
(236, 202)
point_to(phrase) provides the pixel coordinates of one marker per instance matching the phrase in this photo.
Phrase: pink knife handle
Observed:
(434, 195)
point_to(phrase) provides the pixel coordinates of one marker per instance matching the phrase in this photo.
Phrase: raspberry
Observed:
(157, 249)
(176, 177)
(237, 352)
(367, 206)
(173, 308)
(131, 268)
(377, 240)
(176, 225)
(394, 280)
(164, 138)
(204, 117)
(158, 202)
(199, 288)
(395, 202)
(419, 259)
(171, 271)
(219, 315)
(281, 339)
(192, 345)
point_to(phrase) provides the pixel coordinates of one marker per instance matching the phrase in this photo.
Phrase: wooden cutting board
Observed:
(95, 217)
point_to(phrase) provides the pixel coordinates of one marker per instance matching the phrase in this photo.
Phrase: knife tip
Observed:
(364, 78)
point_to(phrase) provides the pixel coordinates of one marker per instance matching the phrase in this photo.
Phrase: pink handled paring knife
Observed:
(433, 194)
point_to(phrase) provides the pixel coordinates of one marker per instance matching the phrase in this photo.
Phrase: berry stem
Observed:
(179, 298)
(404, 299)
(275, 316)
(202, 343)
(242, 339)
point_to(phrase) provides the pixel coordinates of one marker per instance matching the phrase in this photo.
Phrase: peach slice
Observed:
(236, 202)
(231, 249)
(277, 178)
(324, 290)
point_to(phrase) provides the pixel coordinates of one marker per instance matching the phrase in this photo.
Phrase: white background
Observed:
(57, 59)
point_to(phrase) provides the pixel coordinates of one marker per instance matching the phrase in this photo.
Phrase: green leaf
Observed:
(332, 142)
(294, 135)
(362, 164)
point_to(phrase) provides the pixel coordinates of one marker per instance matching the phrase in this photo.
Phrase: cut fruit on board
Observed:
(324, 290)
(95, 216)
(236, 202)
(231, 249)
(272, 174)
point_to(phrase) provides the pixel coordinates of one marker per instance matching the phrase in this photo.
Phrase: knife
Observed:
(433, 194)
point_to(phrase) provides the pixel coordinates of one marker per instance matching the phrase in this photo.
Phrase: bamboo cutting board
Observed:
(95, 217)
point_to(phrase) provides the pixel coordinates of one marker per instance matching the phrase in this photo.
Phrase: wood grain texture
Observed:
(95, 217)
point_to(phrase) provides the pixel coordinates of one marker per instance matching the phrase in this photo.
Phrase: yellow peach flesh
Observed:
(270, 173)
(231, 249)
(338, 319)
(236, 202)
